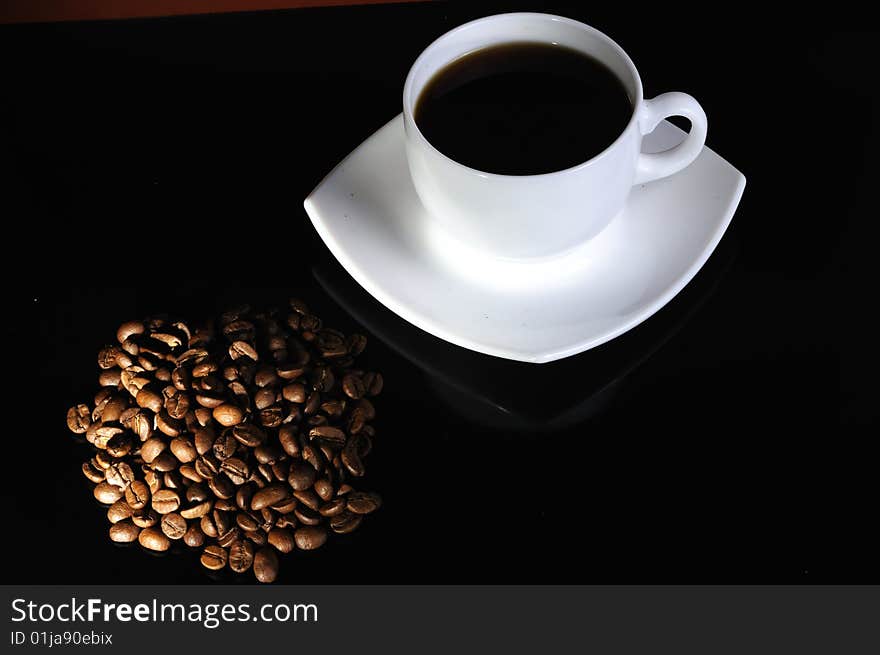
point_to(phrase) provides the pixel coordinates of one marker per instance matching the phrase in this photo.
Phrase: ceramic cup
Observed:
(522, 216)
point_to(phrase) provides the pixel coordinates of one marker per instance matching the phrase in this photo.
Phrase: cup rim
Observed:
(619, 51)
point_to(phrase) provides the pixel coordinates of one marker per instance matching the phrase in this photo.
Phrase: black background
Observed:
(160, 165)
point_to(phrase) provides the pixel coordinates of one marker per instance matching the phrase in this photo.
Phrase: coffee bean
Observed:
(129, 329)
(281, 540)
(124, 532)
(153, 539)
(118, 511)
(345, 522)
(249, 435)
(149, 399)
(306, 516)
(333, 507)
(310, 537)
(356, 344)
(239, 349)
(241, 555)
(165, 501)
(236, 470)
(78, 419)
(225, 445)
(226, 539)
(288, 440)
(153, 480)
(204, 440)
(173, 526)
(285, 506)
(221, 486)
(246, 522)
(361, 502)
(169, 426)
(328, 435)
(265, 565)
(137, 495)
(184, 449)
(308, 498)
(119, 474)
(294, 393)
(119, 445)
(373, 383)
(227, 414)
(269, 495)
(176, 403)
(189, 472)
(213, 557)
(194, 537)
(324, 488)
(197, 510)
(351, 458)
(144, 518)
(92, 472)
(353, 386)
(165, 462)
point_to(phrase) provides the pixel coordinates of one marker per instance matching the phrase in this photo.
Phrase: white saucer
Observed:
(367, 212)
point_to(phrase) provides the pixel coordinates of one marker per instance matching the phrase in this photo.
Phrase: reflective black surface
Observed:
(160, 166)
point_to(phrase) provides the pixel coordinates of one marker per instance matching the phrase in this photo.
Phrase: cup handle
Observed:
(661, 164)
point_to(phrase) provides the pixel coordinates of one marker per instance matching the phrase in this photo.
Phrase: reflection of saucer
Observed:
(368, 214)
(513, 396)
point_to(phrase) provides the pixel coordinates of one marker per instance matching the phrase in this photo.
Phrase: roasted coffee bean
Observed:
(265, 565)
(227, 414)
(194, 537)
(308, 498)
(173, 480)
(345, 522)
(306, 516)
(184, 449)
(226, 539)
(324, 488)
(149, 399)
(204, 439)
(288, 440)
(119, 474)
(153, 539)
(197, 493)
(142, 425)
(118, 511)
(206, 523)
(373, 383)
(249, 435)
(361, 502)
(108, 356)
(92, 472)
(243, 496)
(246, 522)
(103, 460)
(213, 557)
(265, 398)
(124, 532)
(353, 386)
(270, 417)
(165, 501)
(225, 445)
(176, 402)
(333, 408)
(120, 445)
(351, 457)
(326, 434)
(333, 507)
(137, 495)
(165, 462)
(236, 470)
(294, 393)
(241, 555)
(269, 495)
(151, 448)
(144, 518)
(310, 537)
(285, 506)
(207, 466)
(169, 426)
(281, 539)
(356, 344)
(189, 472)
(267, 454)
(129, 329)
(153, 480)
(221, 486)
(313, 455)
(78, 419)
(173, 526)
(197, 510)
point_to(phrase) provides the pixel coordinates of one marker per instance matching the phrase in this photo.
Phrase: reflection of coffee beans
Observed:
(239, 438)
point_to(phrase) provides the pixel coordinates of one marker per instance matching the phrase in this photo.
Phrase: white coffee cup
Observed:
(520, 216)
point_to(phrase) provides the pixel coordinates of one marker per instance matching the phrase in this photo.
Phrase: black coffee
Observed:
(523, 108)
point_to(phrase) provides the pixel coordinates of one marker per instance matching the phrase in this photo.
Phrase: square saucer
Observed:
(367, 212)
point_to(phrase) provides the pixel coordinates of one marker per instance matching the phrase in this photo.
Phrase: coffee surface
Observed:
(523, 108)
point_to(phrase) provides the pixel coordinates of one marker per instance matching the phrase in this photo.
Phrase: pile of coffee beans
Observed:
(242, 438)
